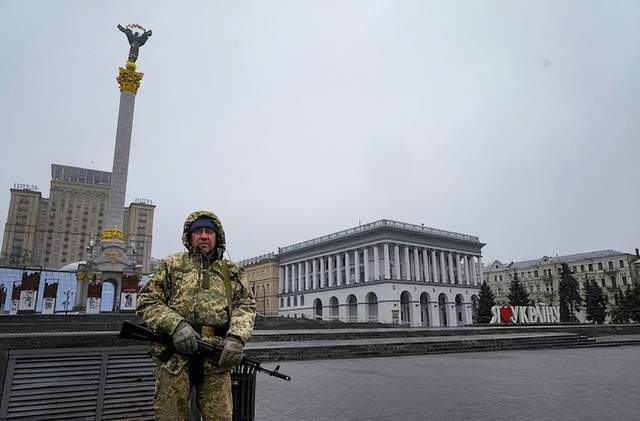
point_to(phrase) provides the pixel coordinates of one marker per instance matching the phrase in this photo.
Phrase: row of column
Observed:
(417, 264)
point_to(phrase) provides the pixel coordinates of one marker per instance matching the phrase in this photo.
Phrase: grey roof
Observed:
(565, 259)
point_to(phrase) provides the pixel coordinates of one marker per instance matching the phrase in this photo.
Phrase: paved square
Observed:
(568, 384)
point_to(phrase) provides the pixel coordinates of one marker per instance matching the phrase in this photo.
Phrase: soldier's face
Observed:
(203, 239)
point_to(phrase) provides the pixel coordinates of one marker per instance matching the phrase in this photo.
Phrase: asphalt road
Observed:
(555, 384)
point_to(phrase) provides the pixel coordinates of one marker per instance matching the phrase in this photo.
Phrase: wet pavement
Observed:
(549, 384)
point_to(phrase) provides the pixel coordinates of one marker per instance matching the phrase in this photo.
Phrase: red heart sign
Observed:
(505, 314)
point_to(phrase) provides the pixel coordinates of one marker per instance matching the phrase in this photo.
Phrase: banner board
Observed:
(28, 292)
(540, 313)
(94, 292)
(129, 292)
(49, 296)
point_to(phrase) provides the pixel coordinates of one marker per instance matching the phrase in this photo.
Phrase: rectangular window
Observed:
(599, 265)
(602, 283)
(624, 280)
(614, 284)
(610, 265)
(500, 278)
(590, 267)
(581, 268)
(535, 273)
(621, 263)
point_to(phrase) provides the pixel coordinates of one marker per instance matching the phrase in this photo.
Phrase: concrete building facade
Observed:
(263, 274)
(611, 269)
(384, 271)
(52, 232)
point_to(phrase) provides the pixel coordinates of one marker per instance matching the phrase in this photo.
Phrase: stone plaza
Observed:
(551, 384)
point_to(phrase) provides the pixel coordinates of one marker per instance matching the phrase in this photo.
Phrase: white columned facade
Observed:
(282, 278)
(294, 278)
(338, 269)
(356, 266)
(416, 264)
(376, 263)
(459, 270)
(322, 285)
(425, 265)
(443, 267)
(387, 263)
(450, 262)
(434, 266)
(347, 268)
(366, 264)
(396, 258)
(407, 264)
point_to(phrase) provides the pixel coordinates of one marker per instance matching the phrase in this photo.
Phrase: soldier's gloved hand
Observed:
(184, 338)
(232, 353)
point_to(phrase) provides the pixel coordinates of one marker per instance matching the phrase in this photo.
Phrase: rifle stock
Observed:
(130, 330)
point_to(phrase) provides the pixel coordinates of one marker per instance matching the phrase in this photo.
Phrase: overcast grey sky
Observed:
(516, 121)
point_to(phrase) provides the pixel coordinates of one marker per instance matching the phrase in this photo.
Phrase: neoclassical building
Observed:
(262, 272)
(386, 271)
(612, 270)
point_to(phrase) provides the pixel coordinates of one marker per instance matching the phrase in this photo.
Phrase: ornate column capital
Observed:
(129, 79)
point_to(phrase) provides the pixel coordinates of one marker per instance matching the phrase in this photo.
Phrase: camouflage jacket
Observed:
(189, 286)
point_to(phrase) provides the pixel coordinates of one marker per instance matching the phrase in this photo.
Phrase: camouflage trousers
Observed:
(173, 395)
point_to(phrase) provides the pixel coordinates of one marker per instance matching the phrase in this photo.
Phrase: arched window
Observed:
(424, 309)
(352, 308)
(372, 307)
(442, 309)
(333, 305)
(405, 308)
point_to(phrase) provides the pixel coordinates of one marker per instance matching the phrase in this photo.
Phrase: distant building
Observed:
(385, 271)
(262, 272)
(612, 270)
(53, 232)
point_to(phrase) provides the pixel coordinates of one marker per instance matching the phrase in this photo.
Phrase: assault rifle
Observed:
(130, 330)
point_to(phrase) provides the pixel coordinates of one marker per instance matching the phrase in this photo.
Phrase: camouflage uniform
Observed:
(189, 286)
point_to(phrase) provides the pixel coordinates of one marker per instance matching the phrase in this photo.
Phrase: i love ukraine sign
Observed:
(506, 315)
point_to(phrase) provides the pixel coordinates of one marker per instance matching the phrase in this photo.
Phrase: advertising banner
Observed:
(28, 292)
(15, 298)
(49, 296)
(94, 292)
(129, 292)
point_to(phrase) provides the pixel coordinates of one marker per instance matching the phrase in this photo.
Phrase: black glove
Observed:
(184, 338)
(232, 353)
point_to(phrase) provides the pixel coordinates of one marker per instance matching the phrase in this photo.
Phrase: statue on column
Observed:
(136, 39)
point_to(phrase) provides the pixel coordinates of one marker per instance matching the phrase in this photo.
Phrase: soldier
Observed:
(197, 294)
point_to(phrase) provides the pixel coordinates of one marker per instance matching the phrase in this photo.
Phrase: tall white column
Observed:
(434, 266)
(473, 270)
(356, 266)
(307, 275)
(443, 267)
(396, 258)
(294, 278)
(322, 284)
(450, 262)
(480, 269)
(331, 280)
(467, 274)
(286, 279)
(425, 265)
(416, 264)
(376, 263)
(459, 270)
(338, 269)
(347, 269)
(387, 263)
(407, 264)
(314, 268)
(282, 280)
(366, 264)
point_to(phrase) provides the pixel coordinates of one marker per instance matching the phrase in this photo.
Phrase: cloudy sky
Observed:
(516, 121)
